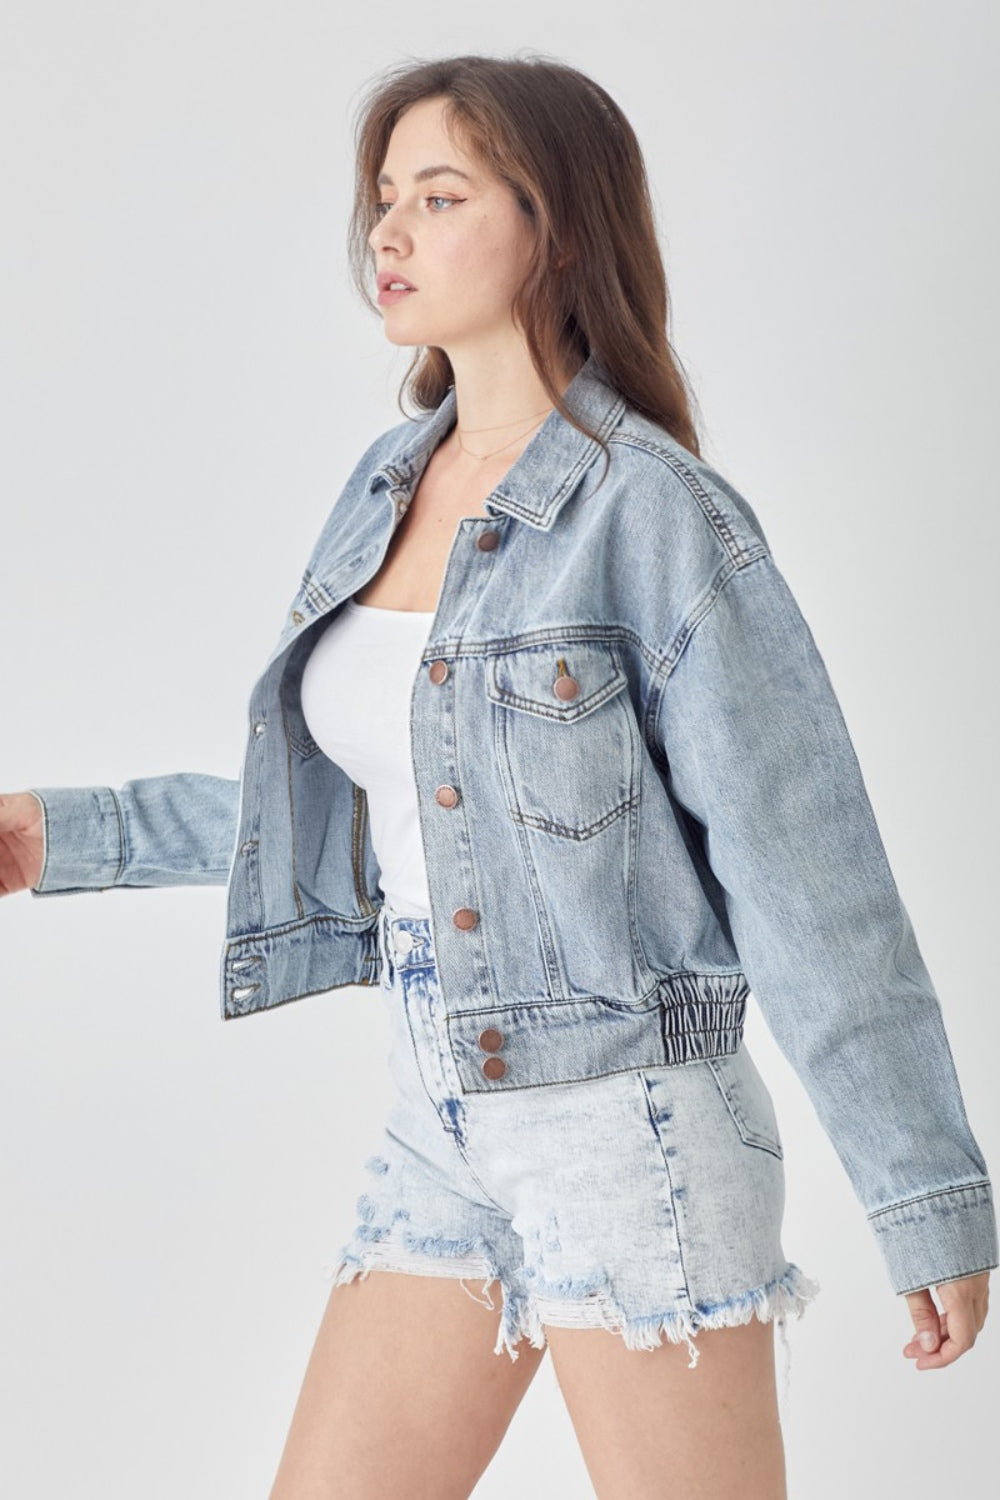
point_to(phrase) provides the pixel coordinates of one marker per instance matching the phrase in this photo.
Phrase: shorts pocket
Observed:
(748, 1100)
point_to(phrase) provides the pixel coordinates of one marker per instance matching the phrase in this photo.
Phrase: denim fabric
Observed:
(648, 1202)
(659, 811)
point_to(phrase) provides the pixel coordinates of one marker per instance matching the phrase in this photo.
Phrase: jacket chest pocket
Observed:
(565, 735)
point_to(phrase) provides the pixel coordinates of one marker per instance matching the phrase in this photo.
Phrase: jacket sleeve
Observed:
(177, 829)
(759, 753)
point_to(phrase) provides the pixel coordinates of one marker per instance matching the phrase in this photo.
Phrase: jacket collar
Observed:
(548, 470)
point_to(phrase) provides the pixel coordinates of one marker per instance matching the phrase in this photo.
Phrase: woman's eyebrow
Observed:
(384, 179)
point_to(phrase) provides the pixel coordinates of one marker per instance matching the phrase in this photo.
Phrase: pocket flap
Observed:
(527, 679)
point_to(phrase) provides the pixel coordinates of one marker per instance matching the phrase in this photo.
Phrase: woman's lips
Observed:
(387, 297)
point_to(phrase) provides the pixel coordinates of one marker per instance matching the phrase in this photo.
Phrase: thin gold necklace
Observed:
(483, 456)
(508, 424)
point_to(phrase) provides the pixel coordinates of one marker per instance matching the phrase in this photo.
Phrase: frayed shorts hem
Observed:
(525, 1315)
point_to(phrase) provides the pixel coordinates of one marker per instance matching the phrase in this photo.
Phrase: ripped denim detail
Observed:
(530, 1301)
(429, 1255)
(557, 1304)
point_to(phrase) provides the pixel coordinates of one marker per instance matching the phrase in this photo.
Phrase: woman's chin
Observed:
(400, 336)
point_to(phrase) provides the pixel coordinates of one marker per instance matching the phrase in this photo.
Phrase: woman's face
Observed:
(462, 240)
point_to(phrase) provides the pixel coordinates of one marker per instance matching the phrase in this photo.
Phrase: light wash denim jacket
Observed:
(659, 810)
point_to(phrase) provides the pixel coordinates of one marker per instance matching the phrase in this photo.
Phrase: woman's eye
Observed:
(433, 198)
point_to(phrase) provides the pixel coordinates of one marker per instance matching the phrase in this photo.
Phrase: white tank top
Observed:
(356, 701)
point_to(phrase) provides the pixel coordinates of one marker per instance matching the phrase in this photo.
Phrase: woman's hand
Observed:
(21, 842)
(953, 1331)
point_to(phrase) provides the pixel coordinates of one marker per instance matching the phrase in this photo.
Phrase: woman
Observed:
(547, 753)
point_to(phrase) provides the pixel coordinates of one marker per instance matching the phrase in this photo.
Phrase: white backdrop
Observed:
(187, 381)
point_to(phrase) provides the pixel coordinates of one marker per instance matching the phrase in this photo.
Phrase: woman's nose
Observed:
(386, 236)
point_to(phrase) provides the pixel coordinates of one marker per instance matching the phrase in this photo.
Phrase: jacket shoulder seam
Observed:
(704, 607)
(702, 497)
(675, 651)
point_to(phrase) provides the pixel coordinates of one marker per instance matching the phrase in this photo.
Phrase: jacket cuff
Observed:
(84, 848)
(937, 1237)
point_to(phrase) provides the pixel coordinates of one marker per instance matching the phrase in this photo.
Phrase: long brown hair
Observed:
(596, 282)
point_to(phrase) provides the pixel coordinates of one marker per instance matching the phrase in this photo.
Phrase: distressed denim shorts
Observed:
(648, 1202)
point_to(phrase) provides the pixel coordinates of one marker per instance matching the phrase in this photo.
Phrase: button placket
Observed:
(465, 918)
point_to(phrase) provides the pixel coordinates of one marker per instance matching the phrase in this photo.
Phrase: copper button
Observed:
(494, 1067)
(565, 687)
(437, 671)
(446, 795)
(491, 1040)
(487, 540)
(297, 617)
(465, 917)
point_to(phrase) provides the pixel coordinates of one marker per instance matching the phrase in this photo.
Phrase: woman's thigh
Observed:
(650, 1428)
(403, 1393)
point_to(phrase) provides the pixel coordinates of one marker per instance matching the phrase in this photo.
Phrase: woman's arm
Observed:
(177, 829)
(760, 755)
